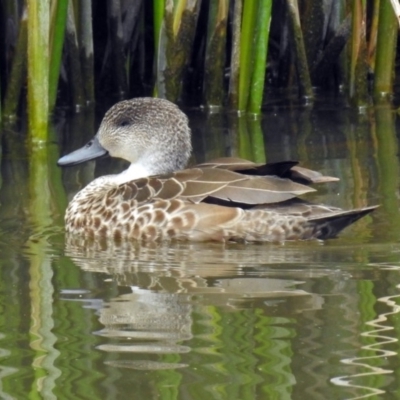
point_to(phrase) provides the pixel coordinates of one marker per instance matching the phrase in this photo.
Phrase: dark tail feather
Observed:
(326, 227)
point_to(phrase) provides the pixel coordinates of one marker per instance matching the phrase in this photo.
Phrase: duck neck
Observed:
(134, 171)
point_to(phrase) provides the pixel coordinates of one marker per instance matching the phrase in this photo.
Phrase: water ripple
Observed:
(377, 333)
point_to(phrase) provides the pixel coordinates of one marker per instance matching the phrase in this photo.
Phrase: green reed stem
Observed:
(158, 15)
(260, 60)
(249, 22)
(59, 11)
(17, 75)
(385, 50)
(38, 67)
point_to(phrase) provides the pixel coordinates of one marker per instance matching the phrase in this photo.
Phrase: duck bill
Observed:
(90, 151)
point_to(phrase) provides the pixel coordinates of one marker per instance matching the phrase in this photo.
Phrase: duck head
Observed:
(152, 134)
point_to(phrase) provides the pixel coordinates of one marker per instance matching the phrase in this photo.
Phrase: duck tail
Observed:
(328, 226)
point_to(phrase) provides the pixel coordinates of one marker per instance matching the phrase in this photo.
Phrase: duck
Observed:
(159, 198)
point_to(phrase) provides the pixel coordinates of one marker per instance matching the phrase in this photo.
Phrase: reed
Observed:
(260, 56)
(385, 51)
(86, 49)
(38, 67)
(233, 91)
(250, 9)
(75, 78)
(9, 16)
(373, 34)
(358, 92)
(175, 46)
(329, 58)
(215, 53)
(59, 11)
(302, 70)
(314, 17)
(149, 42)
(158, 16)
(117, 48)
(18, 71)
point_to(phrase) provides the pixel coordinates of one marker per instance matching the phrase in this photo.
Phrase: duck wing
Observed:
(196, 184)
(282, 169)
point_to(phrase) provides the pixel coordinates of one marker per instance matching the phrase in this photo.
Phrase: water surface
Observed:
(306, 320)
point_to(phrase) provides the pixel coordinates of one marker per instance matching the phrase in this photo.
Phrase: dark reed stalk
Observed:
(385, 51)
(59, 12)
(117, 48)
(260, 56)
(9, 20)
(358, 92)
(233, 91)
(75, 71)
(322, 67)
(302, 70)
(86, 49)
(215, 53)
(176, 39)
(313, 21)
(38, 68)
(373, 35)
(17, 75)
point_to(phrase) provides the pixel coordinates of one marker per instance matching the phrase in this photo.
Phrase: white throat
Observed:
(135, 171)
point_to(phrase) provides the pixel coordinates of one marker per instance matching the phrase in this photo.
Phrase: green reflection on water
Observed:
(255, 321)
(45, 205)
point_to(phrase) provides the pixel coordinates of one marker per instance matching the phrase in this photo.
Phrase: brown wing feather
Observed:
(209, 182)
(230, 163)
(282, 169)
(261, 190)
(308, 176)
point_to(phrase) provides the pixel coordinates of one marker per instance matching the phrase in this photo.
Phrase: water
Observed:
(306, 320)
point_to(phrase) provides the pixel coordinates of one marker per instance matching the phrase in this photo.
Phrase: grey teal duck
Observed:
(157, 199)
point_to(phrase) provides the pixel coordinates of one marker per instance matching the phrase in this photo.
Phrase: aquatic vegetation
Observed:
(227, 53)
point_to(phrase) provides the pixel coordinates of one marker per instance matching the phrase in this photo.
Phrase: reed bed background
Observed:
(236, 54)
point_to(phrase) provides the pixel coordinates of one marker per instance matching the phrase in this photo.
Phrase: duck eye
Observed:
(124, 122)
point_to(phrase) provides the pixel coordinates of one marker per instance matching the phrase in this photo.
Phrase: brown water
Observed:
(305, 320)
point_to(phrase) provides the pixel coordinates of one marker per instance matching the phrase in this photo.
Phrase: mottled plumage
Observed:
(225, 199)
